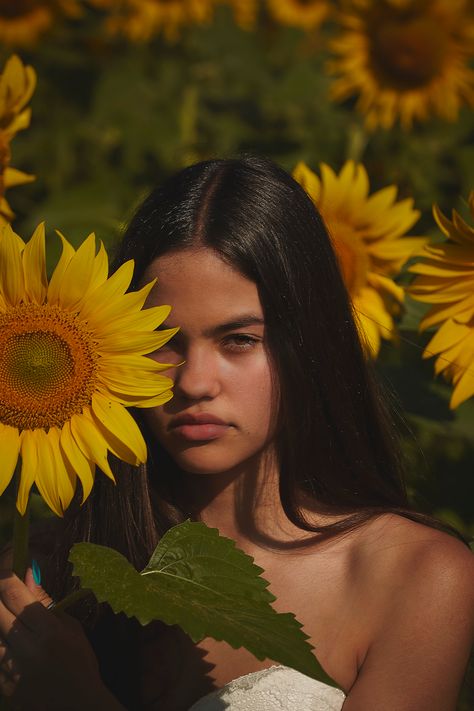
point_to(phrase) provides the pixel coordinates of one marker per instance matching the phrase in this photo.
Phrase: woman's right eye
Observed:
(240, 342)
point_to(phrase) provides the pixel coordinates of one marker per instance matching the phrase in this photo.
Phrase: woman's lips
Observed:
(199, 427)
(200, 432)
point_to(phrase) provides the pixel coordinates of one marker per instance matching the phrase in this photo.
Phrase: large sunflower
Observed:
(367, 238)
(72, 358)
(307, 14)
(445, 278)
(405, 59)
(22, 22)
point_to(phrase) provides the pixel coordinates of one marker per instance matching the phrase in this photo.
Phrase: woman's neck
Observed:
(243, 504)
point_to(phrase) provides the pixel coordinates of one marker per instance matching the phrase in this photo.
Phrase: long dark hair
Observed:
(337, 440)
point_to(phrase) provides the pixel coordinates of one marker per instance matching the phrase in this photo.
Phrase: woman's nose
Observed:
(198, 377)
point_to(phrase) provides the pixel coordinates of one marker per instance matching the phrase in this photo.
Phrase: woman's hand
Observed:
(46, 661)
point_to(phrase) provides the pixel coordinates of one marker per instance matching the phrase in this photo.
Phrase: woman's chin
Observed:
(202, 467)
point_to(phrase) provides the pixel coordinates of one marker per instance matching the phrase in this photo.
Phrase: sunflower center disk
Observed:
(38, 362)
(47, 366)
(408, 53)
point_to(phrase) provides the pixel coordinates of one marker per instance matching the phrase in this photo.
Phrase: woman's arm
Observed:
(45, 658)
(423, 595)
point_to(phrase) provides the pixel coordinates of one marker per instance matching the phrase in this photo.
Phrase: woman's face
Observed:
(221, 414)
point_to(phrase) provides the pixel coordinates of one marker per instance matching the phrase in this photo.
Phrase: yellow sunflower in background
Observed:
(72, 358)
(405, 59)
(17, 83)
(22, 22)
(140, 20)
(445, 278)
(10, 178)
(367, 237)
(307, 14)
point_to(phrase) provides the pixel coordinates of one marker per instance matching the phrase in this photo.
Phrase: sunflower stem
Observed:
(21, 525)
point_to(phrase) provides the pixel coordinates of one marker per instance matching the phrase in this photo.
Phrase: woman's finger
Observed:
(20, 609)
(40, 594)
(7, 600)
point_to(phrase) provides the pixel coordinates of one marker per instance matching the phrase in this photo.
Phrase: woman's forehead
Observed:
(197, 283)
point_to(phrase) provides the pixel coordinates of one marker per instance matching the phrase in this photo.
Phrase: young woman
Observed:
(278, 436)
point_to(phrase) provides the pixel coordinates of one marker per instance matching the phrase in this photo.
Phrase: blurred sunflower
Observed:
(10, 178)
(140, 20)
(17, 83)
(367, 238)
(307, 14)
(22, 22)
(72, 358)
(406, 59)
(445, 278)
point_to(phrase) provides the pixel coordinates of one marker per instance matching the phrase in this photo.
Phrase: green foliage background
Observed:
(111, 119)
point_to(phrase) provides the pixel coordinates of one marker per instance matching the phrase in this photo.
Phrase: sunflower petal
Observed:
(447, 336)
(136, 386)
(145, 320)
(57, 277)
(34, 266)
(11, 267)
(83, 467)
(464, 389)
(65, 478)
(130, 363)
(106, 295)
(141, 343)
(90, 441)
(10, 448)
(308, 180)
(127, 305)
(29, 465)
(46, 473)
(123, 429)
(100, 270)
(78, 274)
(156, 401)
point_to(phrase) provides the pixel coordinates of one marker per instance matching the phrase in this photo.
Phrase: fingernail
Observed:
(36, 572)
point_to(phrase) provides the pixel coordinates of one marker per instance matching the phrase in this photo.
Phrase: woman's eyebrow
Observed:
(238, 322)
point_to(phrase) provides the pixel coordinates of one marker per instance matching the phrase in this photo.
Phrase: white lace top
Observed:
(278, 688)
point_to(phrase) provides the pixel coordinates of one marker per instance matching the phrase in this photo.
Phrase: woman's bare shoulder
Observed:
(416, 586)
(395, 554)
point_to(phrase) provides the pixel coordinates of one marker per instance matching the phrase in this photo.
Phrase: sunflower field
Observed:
(369, 103)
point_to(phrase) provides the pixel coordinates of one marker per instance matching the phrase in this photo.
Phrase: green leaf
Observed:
(202, 582)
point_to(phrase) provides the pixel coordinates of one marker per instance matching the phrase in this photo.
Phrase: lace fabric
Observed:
(278, 688)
